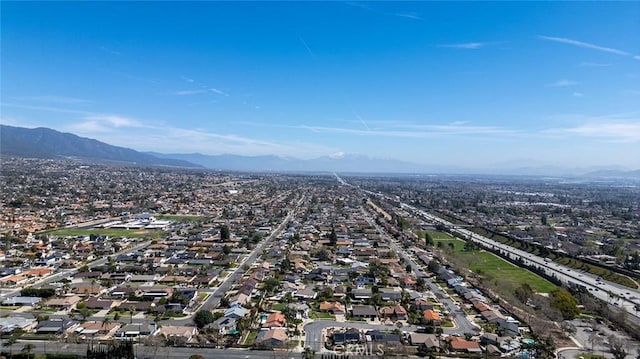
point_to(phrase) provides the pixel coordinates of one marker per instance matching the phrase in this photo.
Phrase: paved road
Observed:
(142, 351)
(463, 324)
(217, 295)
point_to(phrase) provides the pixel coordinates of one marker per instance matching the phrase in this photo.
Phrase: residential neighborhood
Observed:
(290, 264)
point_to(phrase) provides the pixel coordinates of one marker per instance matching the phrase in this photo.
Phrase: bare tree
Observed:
(618, 347)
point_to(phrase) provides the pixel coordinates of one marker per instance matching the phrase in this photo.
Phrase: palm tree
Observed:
(28, 349)
(105, 322)
(9, 343)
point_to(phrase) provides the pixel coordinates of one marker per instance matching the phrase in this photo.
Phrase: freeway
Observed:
(619, 295)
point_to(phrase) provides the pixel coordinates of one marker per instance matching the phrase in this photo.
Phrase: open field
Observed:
(489, 265)
(435, 235)
(117, 233)
(569, 262)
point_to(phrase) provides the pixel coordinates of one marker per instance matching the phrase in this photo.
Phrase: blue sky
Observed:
(443, 83)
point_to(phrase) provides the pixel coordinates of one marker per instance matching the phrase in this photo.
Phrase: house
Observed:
(364, 311)
(94, 328)
(8, 324)
(361, 293)
(508, 326)
(301, 310)
(423, 304)
(397, 312)
(391, 294)
(239, 300)
(95, 303)
(306, 293)
(272, 338)
(382, 337)
(178, 334)
(275, 320)
(235, 311)
(490, 339)
(63, 303)
(332, 307)
(135, 330)
(430, 341)
(224, 325)
(54, 326)
(461, 345)
(22, 301)
(349, 336)
(432, 317)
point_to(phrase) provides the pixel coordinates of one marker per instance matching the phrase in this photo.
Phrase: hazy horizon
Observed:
(449, 84)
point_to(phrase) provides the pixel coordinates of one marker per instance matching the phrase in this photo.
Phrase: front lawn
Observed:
(321, 315)
(251, 337)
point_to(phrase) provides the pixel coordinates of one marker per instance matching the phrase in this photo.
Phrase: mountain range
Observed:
(48, 143)
(44, 142)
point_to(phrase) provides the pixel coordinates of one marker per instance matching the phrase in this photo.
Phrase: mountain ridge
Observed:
(43, 142)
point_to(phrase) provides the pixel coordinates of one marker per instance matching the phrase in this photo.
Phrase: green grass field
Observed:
(279, 307)
(507, 275)
(439, 235)
(117, 233)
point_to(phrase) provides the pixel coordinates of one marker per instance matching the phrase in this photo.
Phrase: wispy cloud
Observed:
(578, 94)
(199, 92)
(467, 45)
(189, 92)
(54, 99)
(594, 64)
(409, 15)
(218, 91)
(416, 131)
(563, 83)
(637, 57)
(187, 79)
(613, 131)
(110, 51)
(104, 123)
(306, 46)
(582, 44)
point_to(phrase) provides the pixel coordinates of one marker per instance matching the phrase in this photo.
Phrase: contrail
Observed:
(307, 47)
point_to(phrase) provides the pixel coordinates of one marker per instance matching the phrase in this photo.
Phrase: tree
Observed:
(9, 343)
(618, 347)
(408, 268)
(333, 237)
(523, 292)
(433, 266)
(224, 233)
(106, 321)
(308, 353)
(565, 303)
(594, 340)
(203, 318)
(428, 239)
(28, 349)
